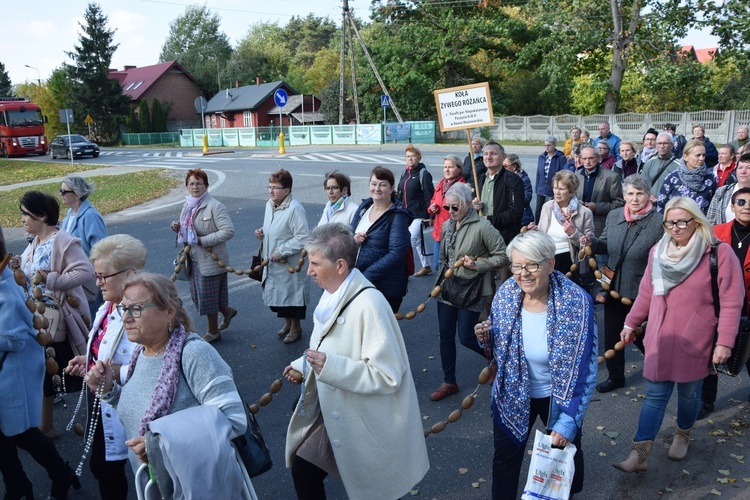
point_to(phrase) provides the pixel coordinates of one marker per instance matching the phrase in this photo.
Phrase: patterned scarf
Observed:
(672, 265)
(570, 340)
(647, 153)
(166, 387)
(572, 210)
(447, 183)
(332, 208)
(693, 178)
(631, 217)
(187, 232)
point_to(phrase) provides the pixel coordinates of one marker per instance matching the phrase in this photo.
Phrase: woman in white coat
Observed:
(339, 207)
(284, 232)
(114, 258)
(205, 223)
(356, 379)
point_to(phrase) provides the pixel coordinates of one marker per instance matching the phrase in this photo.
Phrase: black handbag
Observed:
(252, 447)
(462, 292)
(257, 260)
(741, 351)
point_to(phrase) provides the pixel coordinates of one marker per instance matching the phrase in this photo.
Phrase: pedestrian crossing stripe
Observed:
(346, 158)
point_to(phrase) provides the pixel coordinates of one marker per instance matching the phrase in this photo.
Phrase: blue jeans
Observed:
(451, 320)
(436, 257)
(657, 397)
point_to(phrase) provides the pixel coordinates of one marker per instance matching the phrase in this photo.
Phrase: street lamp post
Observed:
(38, 74)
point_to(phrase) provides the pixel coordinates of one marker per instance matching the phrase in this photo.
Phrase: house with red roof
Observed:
(168, 82)
(703, 56)
(254, 106)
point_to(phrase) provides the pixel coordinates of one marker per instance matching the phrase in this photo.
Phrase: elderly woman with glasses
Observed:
(283, 238)
(85, 223)
(606, 158)
(171, 372)
(115, 259)
(676, 297)
(339, 207)
(473, 241)
(204, 222)
(542, 336)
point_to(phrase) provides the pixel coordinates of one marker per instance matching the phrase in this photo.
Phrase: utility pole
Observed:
(348, 22)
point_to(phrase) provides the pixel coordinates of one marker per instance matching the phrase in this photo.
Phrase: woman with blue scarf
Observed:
(204, 222)
(340, 207)
(542, 336)
(692, 179)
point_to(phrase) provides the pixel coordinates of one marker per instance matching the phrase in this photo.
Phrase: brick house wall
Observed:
(179, 91)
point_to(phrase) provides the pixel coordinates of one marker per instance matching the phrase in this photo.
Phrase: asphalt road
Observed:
(461, 456)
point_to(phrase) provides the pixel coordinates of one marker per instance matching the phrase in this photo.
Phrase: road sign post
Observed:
(88, 121)
(66, 116)
(280, 97)
(385, 102)
(200, 107)
(463, 108)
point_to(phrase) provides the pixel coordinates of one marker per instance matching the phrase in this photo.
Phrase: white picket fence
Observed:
(720, 126)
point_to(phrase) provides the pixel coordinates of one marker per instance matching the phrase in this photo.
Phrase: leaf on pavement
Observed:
(716, 492)
(475, 485)
(463, 471)
(599, 427)
(685, 472)
(724, 472)
(612, 434)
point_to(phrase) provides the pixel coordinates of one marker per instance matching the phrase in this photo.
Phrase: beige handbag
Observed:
(57, 328)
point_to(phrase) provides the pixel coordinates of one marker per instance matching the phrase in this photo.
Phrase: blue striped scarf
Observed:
(570, 329)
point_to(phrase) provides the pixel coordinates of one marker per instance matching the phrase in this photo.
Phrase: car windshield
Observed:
(27, 117)
(74, 137)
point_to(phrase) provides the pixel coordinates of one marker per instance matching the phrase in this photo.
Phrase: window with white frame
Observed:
(247, 120)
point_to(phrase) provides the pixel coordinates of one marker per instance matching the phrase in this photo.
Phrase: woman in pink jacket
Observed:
(675, 295)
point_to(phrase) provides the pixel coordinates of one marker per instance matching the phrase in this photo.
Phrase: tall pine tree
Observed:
(93, 92)
(158, 117)
(6, 89)
(144, 117)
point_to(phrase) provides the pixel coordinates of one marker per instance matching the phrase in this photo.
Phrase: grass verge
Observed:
(15, 171)
(113, 193)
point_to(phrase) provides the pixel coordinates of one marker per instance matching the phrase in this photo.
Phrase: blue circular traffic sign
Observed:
(280, 97)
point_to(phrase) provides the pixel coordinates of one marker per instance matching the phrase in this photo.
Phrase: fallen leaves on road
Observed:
(463, 471)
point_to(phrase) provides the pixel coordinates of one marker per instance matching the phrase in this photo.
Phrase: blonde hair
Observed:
(567, 179)
(689, 205)
(692, 145)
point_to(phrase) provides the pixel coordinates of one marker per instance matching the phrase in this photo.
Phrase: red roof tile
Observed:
(136, 81)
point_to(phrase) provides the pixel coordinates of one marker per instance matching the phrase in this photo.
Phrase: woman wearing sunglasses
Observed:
(676, 297)
(475, 243)
(115, 258)
(85, 223)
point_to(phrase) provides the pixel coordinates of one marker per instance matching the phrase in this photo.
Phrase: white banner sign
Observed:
(464, 107)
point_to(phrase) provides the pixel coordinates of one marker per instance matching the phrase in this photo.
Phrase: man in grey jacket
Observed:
(664, 163)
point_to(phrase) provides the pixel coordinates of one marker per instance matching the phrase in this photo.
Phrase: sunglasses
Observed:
(63, 192)
(451, 208)
(740, 202)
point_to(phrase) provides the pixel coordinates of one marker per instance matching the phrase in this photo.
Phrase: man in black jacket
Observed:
(501, 193)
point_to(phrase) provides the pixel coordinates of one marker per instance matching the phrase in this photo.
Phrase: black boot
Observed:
(61, 487)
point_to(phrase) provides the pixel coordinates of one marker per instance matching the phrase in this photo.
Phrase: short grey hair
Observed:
(637, 181)
(497, 145)
(478, 138)
(743, 127)
(550, 138)
(80, 186)
(462, 192)
(121, 251)
(668, 135)
(533, 245)
(335, 241)
(455, 159)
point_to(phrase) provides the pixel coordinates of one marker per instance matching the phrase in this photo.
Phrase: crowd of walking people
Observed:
(510, 283)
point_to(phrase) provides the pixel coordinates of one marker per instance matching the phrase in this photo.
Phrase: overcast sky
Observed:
(48, 28)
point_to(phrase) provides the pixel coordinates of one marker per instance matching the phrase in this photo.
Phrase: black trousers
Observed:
(614, 319)
(308, 480)
(113, 483)
(508, 457)
(42, 450)
(293, 312)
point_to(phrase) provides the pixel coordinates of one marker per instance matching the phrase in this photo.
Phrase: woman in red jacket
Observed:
(452, 173)
(679, 341)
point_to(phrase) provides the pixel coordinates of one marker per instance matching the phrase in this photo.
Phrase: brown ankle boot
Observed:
(285, 329)
(680, 444)
(295, 332)
(637, 461)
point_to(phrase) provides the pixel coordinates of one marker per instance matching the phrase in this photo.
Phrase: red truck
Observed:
(21, 128)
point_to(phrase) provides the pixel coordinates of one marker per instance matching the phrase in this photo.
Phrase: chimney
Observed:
(126, 68)
(258, 80)
(237, 84)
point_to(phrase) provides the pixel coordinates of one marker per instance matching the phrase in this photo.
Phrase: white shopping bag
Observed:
(551, 470)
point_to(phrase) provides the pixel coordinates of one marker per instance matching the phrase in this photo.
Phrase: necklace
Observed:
(739, 243)
(95, 411)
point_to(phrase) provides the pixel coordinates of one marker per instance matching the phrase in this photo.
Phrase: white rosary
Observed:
(95, 411)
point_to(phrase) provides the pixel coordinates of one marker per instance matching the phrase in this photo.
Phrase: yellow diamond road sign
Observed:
(89, 119)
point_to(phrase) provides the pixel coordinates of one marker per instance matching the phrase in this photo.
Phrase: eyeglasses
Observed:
(331, 188)
(681, 224)
(275, 188)
(63, 192)
(133, 311)
(530, 268)
(103, 279)
(740, 202)
(451, 208)
(195, 184)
